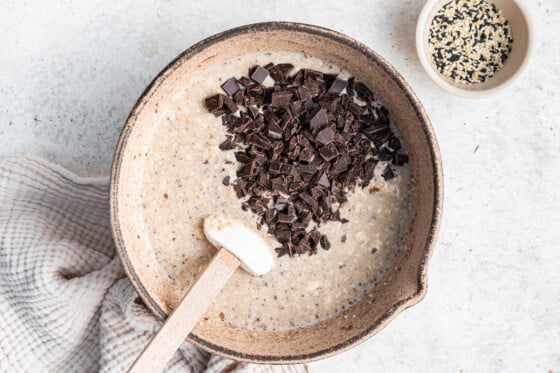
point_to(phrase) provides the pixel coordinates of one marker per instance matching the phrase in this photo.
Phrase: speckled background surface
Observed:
(71, 71)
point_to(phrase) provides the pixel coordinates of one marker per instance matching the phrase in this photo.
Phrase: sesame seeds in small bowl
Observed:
(473, 48)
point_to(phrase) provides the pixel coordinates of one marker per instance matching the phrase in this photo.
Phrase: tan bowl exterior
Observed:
(401, 287)
(522, 47)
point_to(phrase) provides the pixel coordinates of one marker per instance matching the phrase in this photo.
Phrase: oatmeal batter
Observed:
(182, 183)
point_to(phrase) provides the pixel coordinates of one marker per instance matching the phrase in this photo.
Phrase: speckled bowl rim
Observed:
(435, 166)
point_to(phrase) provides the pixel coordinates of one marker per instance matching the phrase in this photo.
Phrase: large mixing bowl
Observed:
(400, 287)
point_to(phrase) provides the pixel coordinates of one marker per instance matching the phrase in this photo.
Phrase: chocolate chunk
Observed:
(281, 204)
(325, 136)
(312, 74)
(253, 112)
(368, 172)
(225, 181)
(281, 99)
(307, 155)
(341, 165)
(315, 87)
(400, 159)
(329, 103)
(239, 97)
(314, 238)
(350, 86)
(246, 82)
(297, 108)
(325, 244)
(226, 145)
(316, 192)
(297, 79)
(306, 197)
(364, 92)
(328, 152)
(230, 86)
(281, 72)
(307, 169)
(239, 187)
(388, 173)
(242, 157)
(394, 144)
(259, 74)
(214, 104)
(285, 218)
(283, 235)
(385, 155)
(274, 131)
(259, 141)
(324, 180)
(304, 93)
(337, 86)
(318, 120)
(247, 170)
(376, 133)
(230, 104)
(355, 109)
(303, 246)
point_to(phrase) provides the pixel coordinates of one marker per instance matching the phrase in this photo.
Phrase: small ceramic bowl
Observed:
(400, 287)
(521, 27)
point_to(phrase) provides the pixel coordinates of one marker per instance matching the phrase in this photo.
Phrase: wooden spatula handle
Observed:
(183, 319)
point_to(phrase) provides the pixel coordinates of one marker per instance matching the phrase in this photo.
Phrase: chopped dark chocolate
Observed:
(307, 169)
(285, 218)
(242, 157)
(325, 242)
(307, 155)
(328, 152)
(253, 112)
(214, 104)
(400, 159)
(281, 99)
(325, 136)
(364, 92)
(318, 120)
(281, 72)
(230, 104)
(388, 173)
(259, 74)
(230, 86)
(278, 133)
(393, 144)
(283, 235)
(324, 180)
(274, 131)
(239, 97)
(337, 86)
(226, 145)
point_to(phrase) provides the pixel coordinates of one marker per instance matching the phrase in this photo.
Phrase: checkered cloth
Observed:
(65, 304)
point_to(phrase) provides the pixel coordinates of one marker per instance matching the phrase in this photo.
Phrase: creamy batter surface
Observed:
(182, 183)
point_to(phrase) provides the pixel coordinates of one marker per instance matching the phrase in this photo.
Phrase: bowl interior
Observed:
(513, 66)
(400, 287)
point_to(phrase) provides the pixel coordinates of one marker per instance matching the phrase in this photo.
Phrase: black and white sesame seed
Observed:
(469, 41)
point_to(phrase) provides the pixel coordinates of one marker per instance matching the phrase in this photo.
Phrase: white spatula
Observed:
(236, 245)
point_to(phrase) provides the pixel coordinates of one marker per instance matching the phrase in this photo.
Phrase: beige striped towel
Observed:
(65, 304)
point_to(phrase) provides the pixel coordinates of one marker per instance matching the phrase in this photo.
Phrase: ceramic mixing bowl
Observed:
(400, 287)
